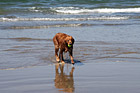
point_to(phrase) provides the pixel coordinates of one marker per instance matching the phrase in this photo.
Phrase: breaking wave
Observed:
(77, 10)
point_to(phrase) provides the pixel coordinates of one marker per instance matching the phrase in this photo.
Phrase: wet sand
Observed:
(108, 77)
(103, 64)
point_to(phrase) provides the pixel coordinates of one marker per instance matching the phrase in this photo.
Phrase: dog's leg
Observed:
(61, 56)
(71, 56)
(56, 48)
(56, 53)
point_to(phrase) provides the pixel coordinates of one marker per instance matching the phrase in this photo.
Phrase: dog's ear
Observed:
(73, 40)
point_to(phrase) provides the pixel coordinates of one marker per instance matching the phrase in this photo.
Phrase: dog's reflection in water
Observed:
(62, 81)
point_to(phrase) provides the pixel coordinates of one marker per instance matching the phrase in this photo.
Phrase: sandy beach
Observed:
(107, 77)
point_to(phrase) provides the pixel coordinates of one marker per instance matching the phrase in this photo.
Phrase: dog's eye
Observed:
(68, 40)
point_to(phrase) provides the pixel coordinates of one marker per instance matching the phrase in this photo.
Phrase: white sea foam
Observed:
(75, 10)
(35, 9)
(64, 19)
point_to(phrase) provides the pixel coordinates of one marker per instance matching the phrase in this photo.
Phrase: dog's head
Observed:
(69, 40)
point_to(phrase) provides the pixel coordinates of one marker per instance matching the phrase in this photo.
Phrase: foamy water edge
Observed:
(63, 19)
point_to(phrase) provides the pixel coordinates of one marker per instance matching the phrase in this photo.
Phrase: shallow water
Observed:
(115, 41)
(27, 48)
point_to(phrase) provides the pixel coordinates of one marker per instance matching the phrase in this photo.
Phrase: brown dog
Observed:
(65, 43)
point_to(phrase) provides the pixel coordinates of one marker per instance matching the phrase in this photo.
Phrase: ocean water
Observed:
(105, 30)
(61, 13)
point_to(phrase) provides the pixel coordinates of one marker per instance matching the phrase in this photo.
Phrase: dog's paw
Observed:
(72, 62)
(62, 62)
(57, 59)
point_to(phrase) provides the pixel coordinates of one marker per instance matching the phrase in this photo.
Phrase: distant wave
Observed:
(48, 26)
(64, 19)
(76, 10)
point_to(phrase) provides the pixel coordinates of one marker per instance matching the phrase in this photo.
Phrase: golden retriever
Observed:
(64, 43)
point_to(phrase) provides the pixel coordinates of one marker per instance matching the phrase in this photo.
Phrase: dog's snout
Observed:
(70, 43)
